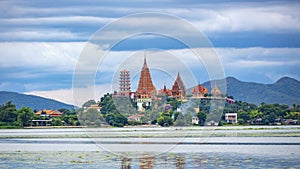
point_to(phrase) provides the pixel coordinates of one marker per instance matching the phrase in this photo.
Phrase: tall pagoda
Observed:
(124, 83)
(178, 89)
(146, 89)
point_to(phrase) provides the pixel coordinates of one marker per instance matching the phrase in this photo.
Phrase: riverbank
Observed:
(154, 132)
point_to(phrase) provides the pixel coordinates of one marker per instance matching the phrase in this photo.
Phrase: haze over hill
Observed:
(284, 91)
(34, 102)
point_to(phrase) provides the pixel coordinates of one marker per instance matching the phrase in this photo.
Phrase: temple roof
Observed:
(145, 86)
(178, 86)
(199, 89)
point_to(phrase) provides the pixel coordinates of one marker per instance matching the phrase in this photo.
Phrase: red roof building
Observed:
(199, 91)
(178, 89)
(146, 89)
(50, 113)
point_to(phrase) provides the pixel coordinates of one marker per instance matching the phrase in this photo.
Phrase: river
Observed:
(221, 147)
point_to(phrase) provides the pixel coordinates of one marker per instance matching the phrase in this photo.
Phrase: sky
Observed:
(42, 41)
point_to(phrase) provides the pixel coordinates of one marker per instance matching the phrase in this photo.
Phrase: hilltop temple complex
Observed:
(146, 92)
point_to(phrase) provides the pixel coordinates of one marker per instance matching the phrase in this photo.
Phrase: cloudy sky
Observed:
(41, 41)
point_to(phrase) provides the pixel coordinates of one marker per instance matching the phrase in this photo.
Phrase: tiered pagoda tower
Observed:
(146, 89)
(178, 89)
(124, 83)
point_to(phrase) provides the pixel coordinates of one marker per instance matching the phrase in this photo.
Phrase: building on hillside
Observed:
(178, 88)
(215, 92)
(195, 120)
(229, 100)
(49, 113)
(93, 106)
(136, 117)
(199, 91)
(146, 90)
(124, 84)
(211, 123)
(165, 91)
(231, 118)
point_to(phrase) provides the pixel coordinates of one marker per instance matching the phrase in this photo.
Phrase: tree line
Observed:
(115, 112)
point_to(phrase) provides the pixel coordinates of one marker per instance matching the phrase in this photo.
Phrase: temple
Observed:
(146, 93)
(124, 83)
(146, 89)
(178, 89)
(165, 91)
(199, 91)
(215, 91)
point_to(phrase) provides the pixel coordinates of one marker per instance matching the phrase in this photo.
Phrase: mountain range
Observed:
(284, 91)
(33, 102)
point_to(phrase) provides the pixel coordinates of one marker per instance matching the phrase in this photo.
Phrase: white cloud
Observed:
(56, 20)
(40, 55)
(82, 94)
(40, 34)
(46, 59)
(259, 57)
(209, 18)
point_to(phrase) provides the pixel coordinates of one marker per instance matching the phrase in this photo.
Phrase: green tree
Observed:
(25, 115)
(165, 121)
(88, 103)
(244, 115)
(180, 120)
(8, 113)
(202, 117)
(56, 121)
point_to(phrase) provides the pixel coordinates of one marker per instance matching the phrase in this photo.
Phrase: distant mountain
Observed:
(285, 91)
(34, 102)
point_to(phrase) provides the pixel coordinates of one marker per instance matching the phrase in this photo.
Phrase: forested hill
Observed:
(33, 102)
(285, 91)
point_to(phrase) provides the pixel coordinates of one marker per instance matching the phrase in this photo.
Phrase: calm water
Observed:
(47, 148)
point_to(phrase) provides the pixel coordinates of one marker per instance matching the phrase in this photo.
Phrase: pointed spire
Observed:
(178, 89)
(145, 57)
(145, 61)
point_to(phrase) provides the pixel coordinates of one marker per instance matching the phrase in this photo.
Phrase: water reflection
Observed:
(147, 161)
(126, 163)
(180, 162)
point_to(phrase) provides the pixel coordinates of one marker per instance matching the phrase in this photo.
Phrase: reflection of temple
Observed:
(147, 162)
(126, 163)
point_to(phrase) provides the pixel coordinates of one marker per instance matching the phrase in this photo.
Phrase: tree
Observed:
(180, 120)
(188, 117)
(56, 121)
(165, 121)
(116, 119)
(244, 115)
(8, 113)
(202, 117)
(25, 115)
(88, 103)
